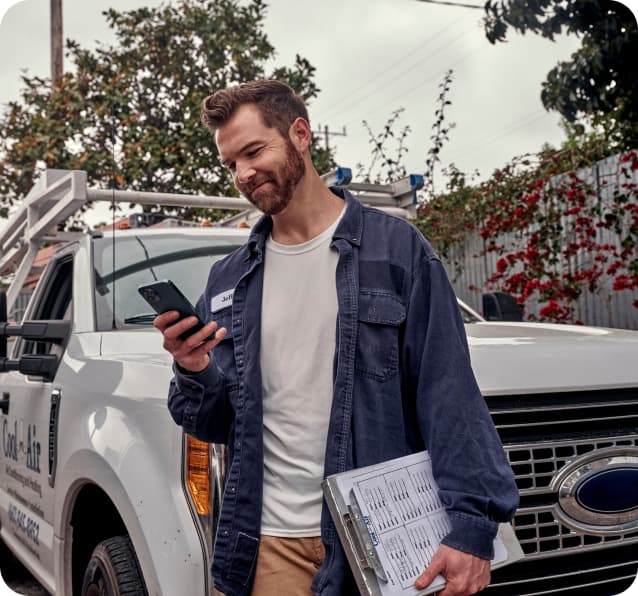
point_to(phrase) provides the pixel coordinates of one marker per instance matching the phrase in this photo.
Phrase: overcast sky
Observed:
(372, 57)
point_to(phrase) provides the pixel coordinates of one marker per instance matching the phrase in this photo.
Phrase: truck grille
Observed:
(541, 434)
(605, 573)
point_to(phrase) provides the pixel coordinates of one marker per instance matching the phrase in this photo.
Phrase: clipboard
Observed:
(390, 521)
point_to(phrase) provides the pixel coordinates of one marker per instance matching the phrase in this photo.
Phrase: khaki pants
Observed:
(287, 566)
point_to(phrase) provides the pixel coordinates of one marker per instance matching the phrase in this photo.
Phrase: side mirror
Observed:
(501, 306)
(38, 365)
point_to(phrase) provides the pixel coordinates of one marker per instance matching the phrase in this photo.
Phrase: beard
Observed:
(271, 193)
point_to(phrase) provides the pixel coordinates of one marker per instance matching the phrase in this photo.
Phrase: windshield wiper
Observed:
(144, 319)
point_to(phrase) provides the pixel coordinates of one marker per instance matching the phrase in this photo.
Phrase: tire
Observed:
(113, 570)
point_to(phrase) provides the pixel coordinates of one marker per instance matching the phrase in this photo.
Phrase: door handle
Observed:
(4, 404)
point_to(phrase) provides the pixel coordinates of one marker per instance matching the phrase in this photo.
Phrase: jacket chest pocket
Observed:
(380, 317)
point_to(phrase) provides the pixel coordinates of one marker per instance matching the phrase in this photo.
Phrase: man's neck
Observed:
(312, 209)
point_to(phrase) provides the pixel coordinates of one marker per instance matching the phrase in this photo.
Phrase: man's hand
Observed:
(191, 353)
(465, 574)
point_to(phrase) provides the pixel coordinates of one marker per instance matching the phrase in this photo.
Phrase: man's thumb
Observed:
(427, 577)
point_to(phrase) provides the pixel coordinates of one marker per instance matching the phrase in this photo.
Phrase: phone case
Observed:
(163, 296)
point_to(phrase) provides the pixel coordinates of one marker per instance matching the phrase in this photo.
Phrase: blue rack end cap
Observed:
(344, 176)
(416, 181)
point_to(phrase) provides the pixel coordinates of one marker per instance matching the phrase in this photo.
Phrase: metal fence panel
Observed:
(469, 266)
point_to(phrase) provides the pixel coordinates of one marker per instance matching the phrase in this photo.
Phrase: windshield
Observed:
(141, 259)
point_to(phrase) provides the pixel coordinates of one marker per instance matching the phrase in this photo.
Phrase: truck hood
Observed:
(507, 358)
(135, 345)
(516, 358)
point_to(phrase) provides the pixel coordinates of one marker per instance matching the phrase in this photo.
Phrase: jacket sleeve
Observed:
(476, 484)
(199, 402)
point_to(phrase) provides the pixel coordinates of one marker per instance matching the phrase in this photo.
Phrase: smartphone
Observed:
(163, 296)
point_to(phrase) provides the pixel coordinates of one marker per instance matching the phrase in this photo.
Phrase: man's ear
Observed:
(300, 134)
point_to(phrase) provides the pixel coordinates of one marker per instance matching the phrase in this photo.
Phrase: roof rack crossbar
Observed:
(57, 194)
(172, 199)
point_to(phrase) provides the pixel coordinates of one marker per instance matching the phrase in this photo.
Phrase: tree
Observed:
(129, 114)
(598, 85)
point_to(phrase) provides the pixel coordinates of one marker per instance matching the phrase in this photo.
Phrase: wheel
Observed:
(113, 570)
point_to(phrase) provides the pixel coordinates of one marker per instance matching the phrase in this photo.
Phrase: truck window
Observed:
(54, 302)
(141, 259)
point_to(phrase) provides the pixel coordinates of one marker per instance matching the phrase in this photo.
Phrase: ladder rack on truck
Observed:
(58, 194)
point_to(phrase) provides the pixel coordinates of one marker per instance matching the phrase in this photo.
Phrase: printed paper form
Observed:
(400, 505)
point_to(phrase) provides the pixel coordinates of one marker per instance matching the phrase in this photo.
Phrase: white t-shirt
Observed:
(298, 334)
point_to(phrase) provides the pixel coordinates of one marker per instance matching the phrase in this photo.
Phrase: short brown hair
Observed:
(279, 105)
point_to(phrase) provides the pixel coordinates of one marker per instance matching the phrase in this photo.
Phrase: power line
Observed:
(459, 4)
(505, 131)
(375, 78)
(410, 91)
(385, 83)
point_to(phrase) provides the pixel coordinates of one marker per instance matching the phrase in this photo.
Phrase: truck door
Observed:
(27, 429)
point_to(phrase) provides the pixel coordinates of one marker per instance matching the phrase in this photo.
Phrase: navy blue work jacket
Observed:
(402, 383)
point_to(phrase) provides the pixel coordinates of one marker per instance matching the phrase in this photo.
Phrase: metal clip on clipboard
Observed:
(362, 542)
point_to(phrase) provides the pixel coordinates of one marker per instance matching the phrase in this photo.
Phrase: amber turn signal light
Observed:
(198, 474)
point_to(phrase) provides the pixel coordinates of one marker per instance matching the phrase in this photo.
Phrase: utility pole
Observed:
(56, 43)
(327, 134)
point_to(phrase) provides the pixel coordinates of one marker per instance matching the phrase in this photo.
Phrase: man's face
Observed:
(265, 165)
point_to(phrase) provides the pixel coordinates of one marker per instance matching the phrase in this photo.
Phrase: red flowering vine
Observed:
(555, 234)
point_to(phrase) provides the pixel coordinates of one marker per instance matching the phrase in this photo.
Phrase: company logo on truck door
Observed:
(599, 492)
(13, 445)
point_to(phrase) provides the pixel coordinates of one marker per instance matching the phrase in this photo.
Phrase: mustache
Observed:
(251, 186)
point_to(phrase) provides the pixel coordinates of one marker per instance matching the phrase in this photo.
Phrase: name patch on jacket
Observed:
(221, 300)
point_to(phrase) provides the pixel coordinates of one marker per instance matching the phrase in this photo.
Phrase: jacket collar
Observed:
(350, 227)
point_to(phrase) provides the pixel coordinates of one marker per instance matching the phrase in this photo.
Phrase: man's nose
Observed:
(244, 173)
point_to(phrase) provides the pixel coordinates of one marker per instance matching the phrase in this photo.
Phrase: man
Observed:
(338, 344)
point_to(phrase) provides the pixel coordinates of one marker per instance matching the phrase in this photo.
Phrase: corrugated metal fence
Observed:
(469, 266)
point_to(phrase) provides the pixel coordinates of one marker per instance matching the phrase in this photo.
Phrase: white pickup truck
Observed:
(102, 494)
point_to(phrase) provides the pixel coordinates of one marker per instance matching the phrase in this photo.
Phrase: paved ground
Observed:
(17, 577)
(27, 587)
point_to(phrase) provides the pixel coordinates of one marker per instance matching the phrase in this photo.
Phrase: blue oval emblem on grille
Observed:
(609, 491)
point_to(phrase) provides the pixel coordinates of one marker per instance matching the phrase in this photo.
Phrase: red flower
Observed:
(613, 269)
(624, 282)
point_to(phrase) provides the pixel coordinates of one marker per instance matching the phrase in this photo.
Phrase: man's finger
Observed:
(464, 573)
(175, 330)
(436, 567)
(198, 341)
(166, 319)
